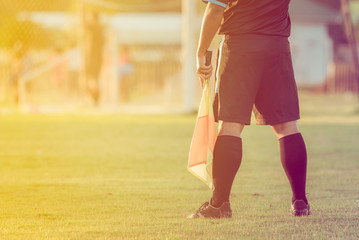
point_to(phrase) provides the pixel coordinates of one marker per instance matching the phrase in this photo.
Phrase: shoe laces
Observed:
(204, 206)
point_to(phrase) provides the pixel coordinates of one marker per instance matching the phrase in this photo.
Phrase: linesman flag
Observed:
(204, 136)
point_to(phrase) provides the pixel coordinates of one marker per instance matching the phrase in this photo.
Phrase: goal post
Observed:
(188, 54)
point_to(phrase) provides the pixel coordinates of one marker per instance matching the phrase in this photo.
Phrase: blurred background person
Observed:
(18, 66)
(93, 53)
(125, 68)
(74, 68)
(60, 70)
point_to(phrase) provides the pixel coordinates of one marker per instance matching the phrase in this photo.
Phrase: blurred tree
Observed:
(26, 32)
(12, 29)
(11, 6)
(14, 6)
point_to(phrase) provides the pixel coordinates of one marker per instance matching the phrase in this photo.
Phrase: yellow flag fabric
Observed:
(203, 140)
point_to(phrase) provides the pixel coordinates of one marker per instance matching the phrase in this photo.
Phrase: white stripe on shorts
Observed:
(219, 62)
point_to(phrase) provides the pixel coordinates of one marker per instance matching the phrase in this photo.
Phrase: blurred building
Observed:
(317, 33)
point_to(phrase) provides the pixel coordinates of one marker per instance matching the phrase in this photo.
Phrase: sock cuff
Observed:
(291, 137)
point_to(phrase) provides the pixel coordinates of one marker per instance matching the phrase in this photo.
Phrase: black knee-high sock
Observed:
(227, 158)
(294, 160)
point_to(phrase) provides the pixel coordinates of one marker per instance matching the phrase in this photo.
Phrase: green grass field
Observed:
(124, 177)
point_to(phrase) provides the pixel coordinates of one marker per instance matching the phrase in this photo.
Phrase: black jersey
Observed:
(255, 17)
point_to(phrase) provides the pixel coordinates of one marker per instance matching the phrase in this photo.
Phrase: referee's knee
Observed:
(230, 129)
(285, 129)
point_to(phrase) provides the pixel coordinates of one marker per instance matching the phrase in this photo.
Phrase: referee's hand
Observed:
(204, 72)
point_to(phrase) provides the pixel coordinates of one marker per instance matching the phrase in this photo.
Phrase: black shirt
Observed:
(255, 17)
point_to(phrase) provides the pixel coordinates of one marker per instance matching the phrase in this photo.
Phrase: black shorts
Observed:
(255, 73)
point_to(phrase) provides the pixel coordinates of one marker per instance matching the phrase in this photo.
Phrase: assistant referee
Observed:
(254, 73)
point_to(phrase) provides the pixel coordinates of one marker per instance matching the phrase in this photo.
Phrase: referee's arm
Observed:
(211, 21)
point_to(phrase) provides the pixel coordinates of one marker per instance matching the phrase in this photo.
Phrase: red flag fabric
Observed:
(203, 140)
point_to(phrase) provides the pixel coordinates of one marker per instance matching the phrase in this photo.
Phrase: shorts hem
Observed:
(244, 122)
(262, 121)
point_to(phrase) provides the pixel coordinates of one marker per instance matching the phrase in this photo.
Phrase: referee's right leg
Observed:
(227, 157)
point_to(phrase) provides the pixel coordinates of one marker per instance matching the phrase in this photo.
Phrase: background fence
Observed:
(342, 78)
